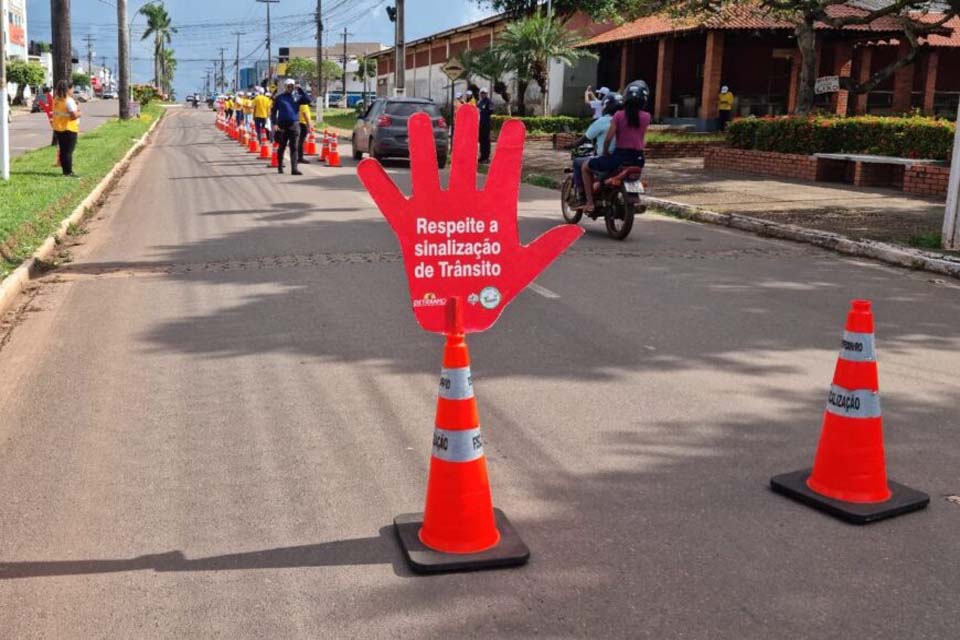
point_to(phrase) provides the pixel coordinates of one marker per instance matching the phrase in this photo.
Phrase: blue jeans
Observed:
(578, 170)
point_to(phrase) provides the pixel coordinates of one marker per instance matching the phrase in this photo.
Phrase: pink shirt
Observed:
(631, 137)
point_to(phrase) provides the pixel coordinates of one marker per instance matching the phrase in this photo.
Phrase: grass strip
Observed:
(37, 198)
(340, 118)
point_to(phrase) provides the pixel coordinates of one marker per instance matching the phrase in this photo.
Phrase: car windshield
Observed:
(406, 109)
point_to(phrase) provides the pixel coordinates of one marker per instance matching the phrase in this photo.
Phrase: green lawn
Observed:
(340, 118)
(38, 198)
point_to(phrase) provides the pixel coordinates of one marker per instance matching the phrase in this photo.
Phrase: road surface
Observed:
(210, 417)
(32, 131)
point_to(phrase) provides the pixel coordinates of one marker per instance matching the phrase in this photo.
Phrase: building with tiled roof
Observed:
(687, 60)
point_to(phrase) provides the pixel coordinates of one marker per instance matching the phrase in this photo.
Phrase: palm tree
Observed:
(168, 63)
(161, 28)
(490, 64)
(531, 43)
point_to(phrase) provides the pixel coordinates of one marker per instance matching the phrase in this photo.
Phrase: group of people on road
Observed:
(485, 106)
(283, 117)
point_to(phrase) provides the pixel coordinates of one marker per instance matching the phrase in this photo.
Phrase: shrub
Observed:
(144, 94)
(551, 124)
(907, 137)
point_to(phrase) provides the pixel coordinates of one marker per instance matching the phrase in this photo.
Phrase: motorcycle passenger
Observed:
(596, 134)
(629, 130)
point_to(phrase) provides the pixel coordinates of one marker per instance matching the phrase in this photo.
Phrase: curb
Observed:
(881, 251)
(14, 284)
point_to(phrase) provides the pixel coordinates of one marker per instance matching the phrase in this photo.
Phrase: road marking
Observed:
(543, 291)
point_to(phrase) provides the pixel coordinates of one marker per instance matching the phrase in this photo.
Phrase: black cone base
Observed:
(904, 499)
(510, 552)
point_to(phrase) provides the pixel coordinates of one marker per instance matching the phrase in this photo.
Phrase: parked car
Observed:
(110, 95)
(382, 130)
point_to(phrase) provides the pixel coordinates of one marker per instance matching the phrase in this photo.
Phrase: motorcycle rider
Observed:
(596, 134)
(629, 130)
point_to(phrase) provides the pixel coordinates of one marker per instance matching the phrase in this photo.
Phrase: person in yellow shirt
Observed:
(66, 125)
(306, 117)
(248, 107)
(725, 106)
(228, 107)
(261, 111)
(469, 99)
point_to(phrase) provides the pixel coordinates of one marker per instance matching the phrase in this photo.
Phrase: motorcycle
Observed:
(616, 196)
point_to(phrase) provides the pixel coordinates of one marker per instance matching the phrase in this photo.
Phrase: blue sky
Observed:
(207, 25)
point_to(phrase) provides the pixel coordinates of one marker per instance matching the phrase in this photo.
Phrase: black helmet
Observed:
(638, 91)
(612, 104)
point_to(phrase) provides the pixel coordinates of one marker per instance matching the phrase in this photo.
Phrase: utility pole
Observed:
(62, 48)
(319, 87)
(401, 51)
(223, 76)
(89, 40)
(951, 220)
(4, 105)
(236, 64)
(269, 43)
(345, 34)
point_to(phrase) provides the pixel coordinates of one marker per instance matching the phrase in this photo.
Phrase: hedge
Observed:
(910, 137)
(551, 124)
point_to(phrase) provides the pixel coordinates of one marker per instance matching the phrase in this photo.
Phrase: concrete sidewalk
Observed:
(876, 214)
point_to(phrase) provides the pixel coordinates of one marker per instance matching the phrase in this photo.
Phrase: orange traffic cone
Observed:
(264, 147)
(459, 529)
(275, 159)
(333, 156)
(325, 146)
(310, 147)
(849, 475)
(252, 146)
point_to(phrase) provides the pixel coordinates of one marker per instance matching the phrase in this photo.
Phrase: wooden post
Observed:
(664, 86)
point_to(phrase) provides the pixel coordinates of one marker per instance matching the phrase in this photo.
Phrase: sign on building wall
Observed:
(827, 84)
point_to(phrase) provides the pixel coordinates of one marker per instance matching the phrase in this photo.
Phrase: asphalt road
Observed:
(32, 131)
(210, 417)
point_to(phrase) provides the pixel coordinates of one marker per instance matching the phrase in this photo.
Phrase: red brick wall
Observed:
(926, 181)
(782, 165)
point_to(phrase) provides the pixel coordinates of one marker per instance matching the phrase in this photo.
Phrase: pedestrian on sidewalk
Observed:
(286, 123)
(486, 121)
(305, 119)
(66, 125)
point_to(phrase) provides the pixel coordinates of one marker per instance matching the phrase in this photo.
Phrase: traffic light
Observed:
(392, 13)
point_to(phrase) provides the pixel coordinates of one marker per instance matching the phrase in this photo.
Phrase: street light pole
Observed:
(400, 75)
(319, 88)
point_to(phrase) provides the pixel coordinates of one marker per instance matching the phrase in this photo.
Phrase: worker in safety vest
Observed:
(261, 111)
(305, 119)
(725, 106)
(66, 125)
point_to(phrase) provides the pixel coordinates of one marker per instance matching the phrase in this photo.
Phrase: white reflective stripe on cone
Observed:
(457, 446)
(858, 347)
(857, 403)
(456, 384)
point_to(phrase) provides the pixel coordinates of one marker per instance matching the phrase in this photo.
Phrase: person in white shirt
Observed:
(595, 100)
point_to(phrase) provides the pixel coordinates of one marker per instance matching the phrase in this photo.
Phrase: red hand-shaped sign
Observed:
(463, 242)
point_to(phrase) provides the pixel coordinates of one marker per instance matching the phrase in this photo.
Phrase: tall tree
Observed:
(160, 26)
(492, 65)
(612, 10)
(529, 44)
(168, 64)
(62, 46)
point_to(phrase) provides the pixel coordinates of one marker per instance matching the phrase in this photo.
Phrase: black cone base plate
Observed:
(510, 552)
(904, 499)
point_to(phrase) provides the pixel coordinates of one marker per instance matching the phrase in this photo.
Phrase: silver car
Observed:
(382, 130)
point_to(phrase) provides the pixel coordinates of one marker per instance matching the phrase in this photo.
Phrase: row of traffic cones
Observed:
(245, 135)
